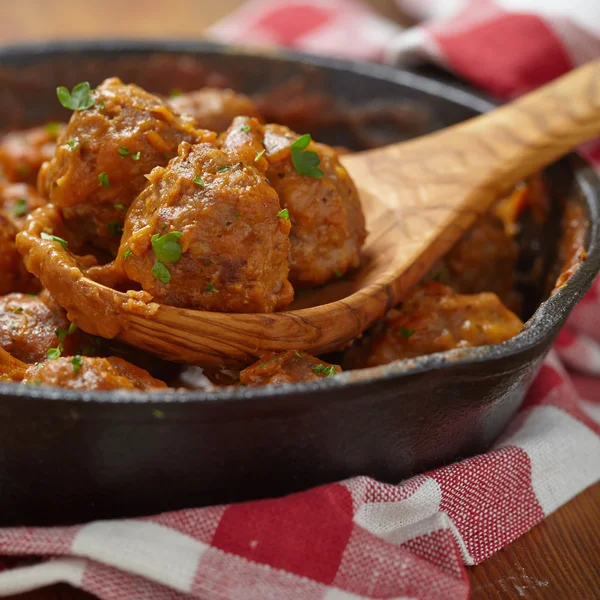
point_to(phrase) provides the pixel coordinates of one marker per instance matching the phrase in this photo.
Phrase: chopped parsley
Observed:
(167, 248)
(20, 208)
(54, 238)
(321, 369)
(198, 181)
(211, 288)
(161, 272)
(284, 213)
(298, 354)
(238, 215)
(158, 414)
(72, 143)
(72, 329)
(19, 309)
(114, 228)
(76, 361)
(337, 272)
(124, 151)
(127, 254)
(175, 92)
(103, 180)
(101, 105)
(52, 129)
(259, 155)
(54, 353)
(61, 333)
(78, 98)
(120, 206)
(306, 162)
(136, 155)
(223, 169)
(405, 333)
(246, 128)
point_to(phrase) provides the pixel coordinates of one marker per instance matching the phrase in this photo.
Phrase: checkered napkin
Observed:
(360, 538)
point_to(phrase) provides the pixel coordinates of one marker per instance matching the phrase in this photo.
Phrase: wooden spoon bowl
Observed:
(418, 197)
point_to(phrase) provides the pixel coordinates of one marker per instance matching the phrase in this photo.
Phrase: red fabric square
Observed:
(304, 533)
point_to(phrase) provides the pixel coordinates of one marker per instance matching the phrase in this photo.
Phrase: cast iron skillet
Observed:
(68, 456)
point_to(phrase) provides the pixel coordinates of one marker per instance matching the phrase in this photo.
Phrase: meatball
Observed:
(102, 158)
(30, 326)
(434, 318)
(17, 200)
(287, 367)
(206, 234)
(13, 274)
(85, 373)
(485, 258)
(23, 152)
(214, 108)
(328, 226)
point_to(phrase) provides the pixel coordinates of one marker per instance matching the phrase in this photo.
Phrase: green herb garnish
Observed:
(124, 151)
(405, 333)
(72, 143)
(103, 180)
(78, 98)
(298, 354)
(198, 181)
(52, 129)
(245, 128)
(321, 369)
(306, 162)
(211, 288)
(167, 248)
(101, 105)
(54, 353)
(18, 309)
(127, 254)
(114, 228)
(284, 213)
(175, 92)
(337, 272)
(223, 169)
(259, 155)
(120, 206)
(136, 155)
(76, 361)
(161, 272)
(20, 208)
(54, 238)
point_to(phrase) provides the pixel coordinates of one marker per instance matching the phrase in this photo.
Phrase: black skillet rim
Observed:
(538, 327)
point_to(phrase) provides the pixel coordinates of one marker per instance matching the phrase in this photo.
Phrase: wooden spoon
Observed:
(419, 197)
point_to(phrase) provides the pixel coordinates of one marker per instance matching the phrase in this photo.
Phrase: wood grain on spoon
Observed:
(419, 197)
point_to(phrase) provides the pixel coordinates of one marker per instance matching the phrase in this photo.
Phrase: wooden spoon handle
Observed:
(526, 135)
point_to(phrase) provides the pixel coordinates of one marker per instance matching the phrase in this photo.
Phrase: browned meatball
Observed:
(23, 152)
(102, 158)
(434, 318)
(32, 325)
(13, 274)
(287, 367)
(328, 226)
(214, 108)
(17, 200)
(85, 373)
(205, 234)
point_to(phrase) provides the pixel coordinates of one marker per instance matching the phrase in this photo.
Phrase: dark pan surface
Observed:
(68, 456)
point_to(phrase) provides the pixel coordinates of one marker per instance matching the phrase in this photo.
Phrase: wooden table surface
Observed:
(560, 558)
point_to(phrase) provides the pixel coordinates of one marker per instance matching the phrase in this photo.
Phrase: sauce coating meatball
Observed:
(287, 367)
(435, 318)
(214, 108)
(328, 227)
(32, 325)
(102, 158)
(86, 373)
(23, 152)
(205, 234)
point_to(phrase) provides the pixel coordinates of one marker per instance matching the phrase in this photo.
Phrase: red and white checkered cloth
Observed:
(360, 538)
